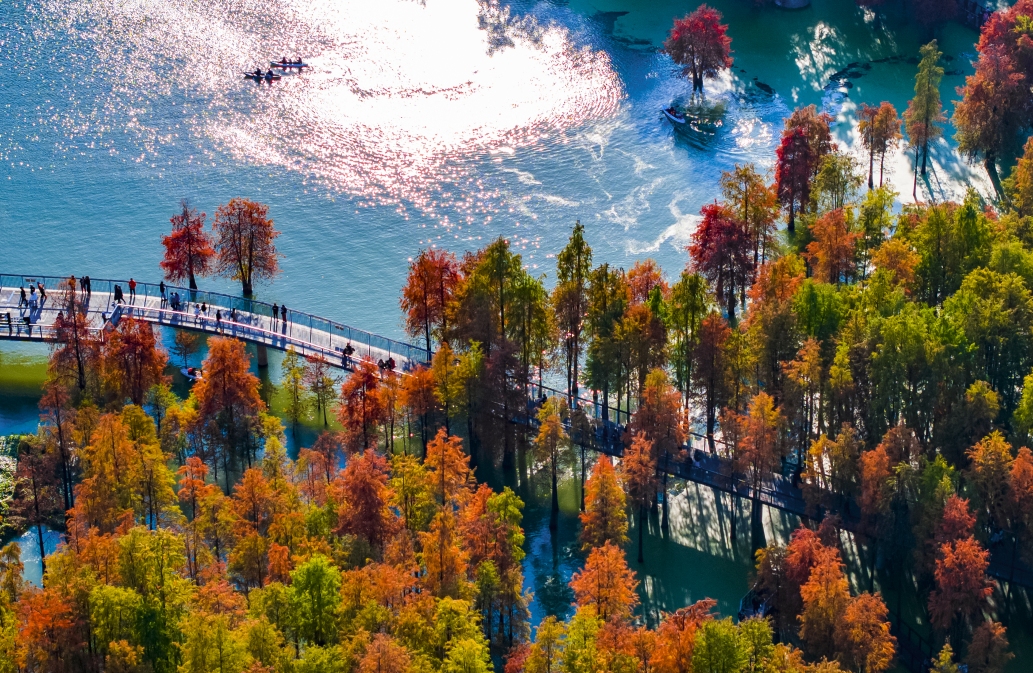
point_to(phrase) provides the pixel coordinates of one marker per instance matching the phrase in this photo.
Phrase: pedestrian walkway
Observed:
(209, 312)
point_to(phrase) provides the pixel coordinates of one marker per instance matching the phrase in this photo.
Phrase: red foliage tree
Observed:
(806, 140)
(244, 242)
(700, 44)
(188, 249)
(361, 407)
(46, 632)
(366, 513)
(433, 278)
(991, 110)
(793, 172)
(962, 587)
(720, 252)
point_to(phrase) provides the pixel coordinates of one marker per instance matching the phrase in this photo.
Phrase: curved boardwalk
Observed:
(311, 335)
(201, 311)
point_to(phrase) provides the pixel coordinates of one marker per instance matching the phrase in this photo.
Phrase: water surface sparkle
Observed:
(399, 96)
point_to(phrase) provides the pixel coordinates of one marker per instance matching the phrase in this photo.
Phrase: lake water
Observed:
(443, 122)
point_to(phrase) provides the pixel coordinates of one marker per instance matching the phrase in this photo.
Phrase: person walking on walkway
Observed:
(283, 314)
(71, 284)
(132, 290)
(89, 287)
(42, 293)
(164, 300)
(23, 301)
(276, 313)
(82, 287)
(218, 320)
(119, 297)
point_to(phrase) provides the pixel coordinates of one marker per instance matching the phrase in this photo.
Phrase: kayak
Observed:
(258, 78)
(673, 115)
(288, 66)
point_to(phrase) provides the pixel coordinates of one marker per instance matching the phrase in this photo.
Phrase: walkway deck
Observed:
(311, 335)
(209, 312)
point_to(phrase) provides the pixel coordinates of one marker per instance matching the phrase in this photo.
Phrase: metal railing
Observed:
(298, 322)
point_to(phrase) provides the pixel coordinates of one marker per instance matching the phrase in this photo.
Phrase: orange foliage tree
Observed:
(244, 243)
(228, 403)
(432, 280)
(757, 453)
(676, 637)
(604, 519)
(606, 583)
(863, 635)
(659, 417)
(831, 253)
(133, 360)
(361, 407)
(449, 468)
(418, 398)
(638, 473)
(825, 597)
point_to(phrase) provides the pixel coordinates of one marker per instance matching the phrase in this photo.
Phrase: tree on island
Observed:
(996, 105)
(244, 243)
(700, 44)
(188, 249)
(806, 140)
(924, 113)
(879, 128)
(720, 252)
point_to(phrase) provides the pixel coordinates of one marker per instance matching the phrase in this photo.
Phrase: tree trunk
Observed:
(42, 552)
(735, 501)
(582, 474)
(555, 514)
(665, 523)
(871, 167)
(925, 156)
(193, 281)
(791, 227)
(995, 178)
(641, 528)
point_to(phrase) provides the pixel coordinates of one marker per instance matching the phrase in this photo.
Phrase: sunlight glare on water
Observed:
(386, 112)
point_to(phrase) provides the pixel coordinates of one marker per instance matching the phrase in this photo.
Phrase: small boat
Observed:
(287, 66)
(268, 76)
(674, 116)
(193, 374)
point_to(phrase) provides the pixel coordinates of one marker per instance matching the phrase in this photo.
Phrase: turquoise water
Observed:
(446, 122)
(416, 126)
